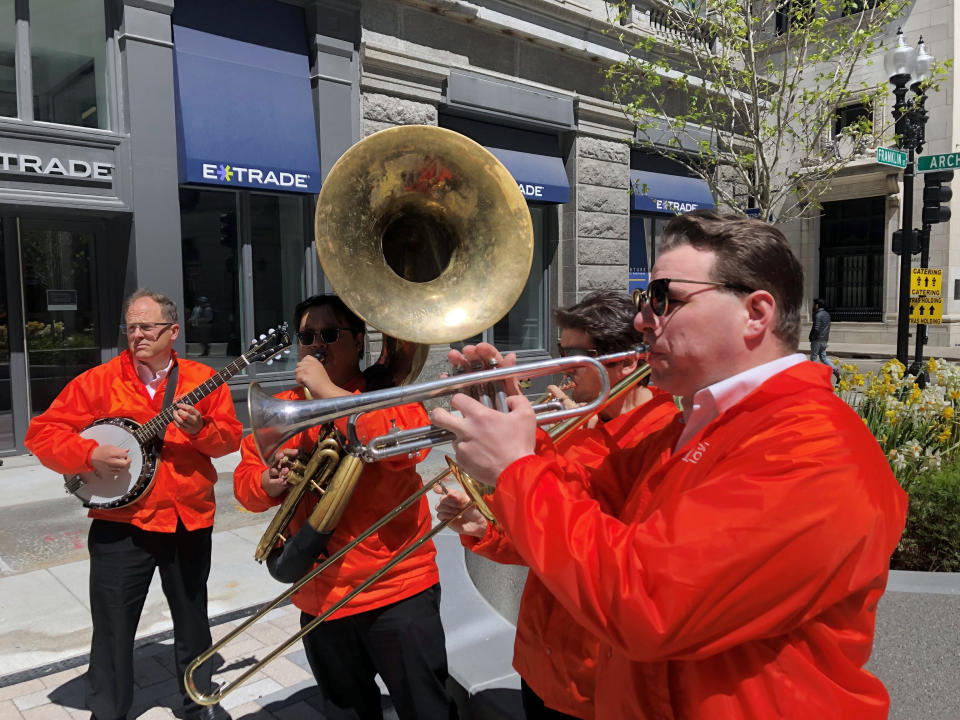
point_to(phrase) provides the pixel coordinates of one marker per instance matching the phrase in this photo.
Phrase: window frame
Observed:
(23, 71)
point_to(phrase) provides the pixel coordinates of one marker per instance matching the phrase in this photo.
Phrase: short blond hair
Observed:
(168, 308)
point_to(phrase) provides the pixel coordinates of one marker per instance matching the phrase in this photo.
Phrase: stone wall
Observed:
(602, 202)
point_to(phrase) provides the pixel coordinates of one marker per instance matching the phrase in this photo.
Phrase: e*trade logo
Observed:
(224, 173)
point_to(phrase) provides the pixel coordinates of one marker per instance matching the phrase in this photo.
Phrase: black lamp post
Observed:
(904, 64)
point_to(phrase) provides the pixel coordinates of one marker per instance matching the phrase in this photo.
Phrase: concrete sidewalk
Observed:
(45, 622)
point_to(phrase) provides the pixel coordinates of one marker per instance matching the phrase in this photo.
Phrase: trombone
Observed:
(574, 418)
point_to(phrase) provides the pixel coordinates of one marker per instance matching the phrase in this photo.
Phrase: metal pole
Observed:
(917, 368)
(903, 319)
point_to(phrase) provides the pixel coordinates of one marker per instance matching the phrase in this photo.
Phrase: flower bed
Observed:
(918, 429)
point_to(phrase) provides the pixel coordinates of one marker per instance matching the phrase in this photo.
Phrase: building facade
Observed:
(845, 246)
(180, 146)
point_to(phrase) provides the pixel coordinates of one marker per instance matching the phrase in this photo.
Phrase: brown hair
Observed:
(749, 253)
(607, 317)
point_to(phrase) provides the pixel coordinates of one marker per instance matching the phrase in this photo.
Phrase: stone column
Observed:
(148, 103)
(602, 202)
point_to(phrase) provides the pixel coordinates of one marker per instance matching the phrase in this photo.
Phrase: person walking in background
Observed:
(820, 335)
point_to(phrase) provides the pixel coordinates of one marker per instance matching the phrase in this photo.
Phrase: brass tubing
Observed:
(215, 697)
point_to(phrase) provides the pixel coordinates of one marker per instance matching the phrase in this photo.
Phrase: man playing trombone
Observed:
(392, 629)
(739, 576)
(554, 656)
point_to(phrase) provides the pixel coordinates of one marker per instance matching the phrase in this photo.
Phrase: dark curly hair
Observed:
(607, 317)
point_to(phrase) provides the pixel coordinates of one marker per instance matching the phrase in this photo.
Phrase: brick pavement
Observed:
(283, 690)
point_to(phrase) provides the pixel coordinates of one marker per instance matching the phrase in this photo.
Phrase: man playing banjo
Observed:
(168, 527)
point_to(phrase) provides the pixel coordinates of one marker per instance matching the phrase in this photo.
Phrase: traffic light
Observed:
(228, 229)
(936, 190)
(898, 242)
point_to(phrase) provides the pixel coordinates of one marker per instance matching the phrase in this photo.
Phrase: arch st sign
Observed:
(932, 163)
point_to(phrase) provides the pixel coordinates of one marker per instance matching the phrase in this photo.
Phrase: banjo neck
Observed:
(152, 427)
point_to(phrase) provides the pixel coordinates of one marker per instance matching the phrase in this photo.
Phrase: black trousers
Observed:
(534, 708)
(123, 558)
(403, 642)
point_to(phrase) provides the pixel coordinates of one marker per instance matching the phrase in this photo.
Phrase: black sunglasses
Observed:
(576, 351)
(657, 293)
(327, 335)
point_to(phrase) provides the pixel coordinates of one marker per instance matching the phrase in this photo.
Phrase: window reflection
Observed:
(68, 58)
(208, 228)
(6, 406)
(217, 263)
(522, 327)
(8, 72)
(278, 238)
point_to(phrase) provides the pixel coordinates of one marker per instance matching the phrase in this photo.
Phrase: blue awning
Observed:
(541, 178)
(244, 114)
(669, 194)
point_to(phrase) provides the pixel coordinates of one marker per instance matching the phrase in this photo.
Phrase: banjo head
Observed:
(123, 488)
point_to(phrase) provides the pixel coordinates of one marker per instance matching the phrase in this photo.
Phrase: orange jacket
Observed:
(382, 486)
(183, 486)
(741, 576)
(553, 654)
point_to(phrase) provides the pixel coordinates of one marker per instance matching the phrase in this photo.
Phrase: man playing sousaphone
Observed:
(393, 628)
(169, 527)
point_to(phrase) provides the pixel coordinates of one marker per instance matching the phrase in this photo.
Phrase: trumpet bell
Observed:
(424, 234)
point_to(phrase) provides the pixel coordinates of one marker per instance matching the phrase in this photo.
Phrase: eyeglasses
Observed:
(657, 293)
(150, 330)
(576, 351)
(327, 335)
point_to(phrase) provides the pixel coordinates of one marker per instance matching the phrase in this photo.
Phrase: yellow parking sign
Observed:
(926, 281)
(926, 310)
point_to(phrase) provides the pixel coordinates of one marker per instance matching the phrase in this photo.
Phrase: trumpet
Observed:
(473, 489)
(276, 421)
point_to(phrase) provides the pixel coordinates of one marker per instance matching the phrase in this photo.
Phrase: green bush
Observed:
(931, 540)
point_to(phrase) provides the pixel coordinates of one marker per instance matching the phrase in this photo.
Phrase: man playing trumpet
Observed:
(393, 628)
(738, 577)
(555, 657)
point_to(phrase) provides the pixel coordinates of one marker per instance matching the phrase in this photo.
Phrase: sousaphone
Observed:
(425, 235)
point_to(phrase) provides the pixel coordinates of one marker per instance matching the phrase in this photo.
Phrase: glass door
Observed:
(59, 305)
(7, 439)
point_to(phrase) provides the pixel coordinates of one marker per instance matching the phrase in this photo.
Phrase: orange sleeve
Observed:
(53, 436)
(221, 432)
(792, 521)
(247, 487)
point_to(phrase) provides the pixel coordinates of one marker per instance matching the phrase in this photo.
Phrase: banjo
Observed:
(104, 492)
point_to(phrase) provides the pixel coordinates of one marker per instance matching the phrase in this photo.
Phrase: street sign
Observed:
(930, 163)
(896, 158)
(926, 281)
(926, 310)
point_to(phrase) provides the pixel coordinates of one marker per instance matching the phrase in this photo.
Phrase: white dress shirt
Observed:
(711, 401)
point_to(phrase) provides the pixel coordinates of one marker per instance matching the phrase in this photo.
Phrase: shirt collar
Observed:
(714, 400)
(146, 374)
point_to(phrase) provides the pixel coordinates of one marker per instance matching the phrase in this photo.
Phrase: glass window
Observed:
(278, 236)
(6, 403)
(226, 281)
(68, 58)
(851, 115)
(8, 70)
(523, 327)
(60, 307)
(211, 276)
